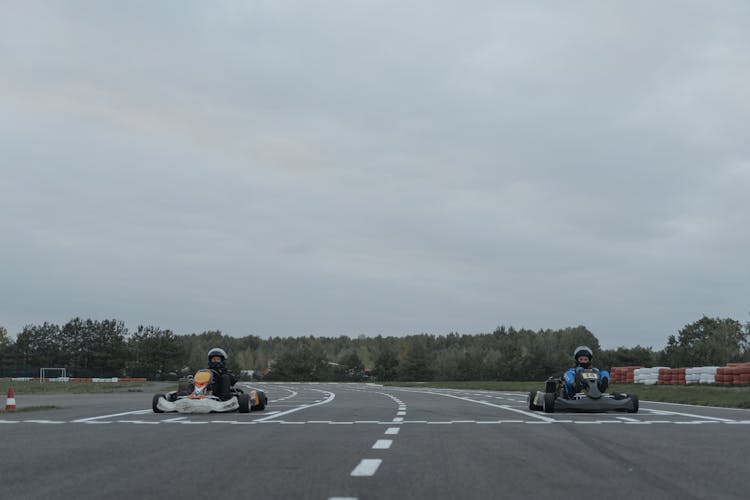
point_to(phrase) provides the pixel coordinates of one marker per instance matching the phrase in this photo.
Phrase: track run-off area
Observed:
(345, 441)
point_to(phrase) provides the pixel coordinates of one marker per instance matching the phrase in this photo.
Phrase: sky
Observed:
(331, 168)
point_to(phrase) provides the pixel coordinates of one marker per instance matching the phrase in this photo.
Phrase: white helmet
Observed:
(216, 351)
(583, 350)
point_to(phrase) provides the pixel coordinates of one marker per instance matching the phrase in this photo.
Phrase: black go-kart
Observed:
(589, 399)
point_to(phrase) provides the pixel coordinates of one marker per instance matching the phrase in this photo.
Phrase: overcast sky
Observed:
(376, 167)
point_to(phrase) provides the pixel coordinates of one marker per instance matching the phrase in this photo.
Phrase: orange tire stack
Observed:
(744, 373)
(721, 375)
(737, 373)
(665, 376)
(678, 376)
(623, 374)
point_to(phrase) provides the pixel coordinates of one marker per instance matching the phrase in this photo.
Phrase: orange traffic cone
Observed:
(10, 403)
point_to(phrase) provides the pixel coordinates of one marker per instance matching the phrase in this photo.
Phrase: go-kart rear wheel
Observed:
(532, 406)
(634, 398)
(244, 401)
(155, 403)
(549, 402)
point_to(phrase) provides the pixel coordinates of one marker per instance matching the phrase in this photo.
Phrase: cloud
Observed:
(379, 168)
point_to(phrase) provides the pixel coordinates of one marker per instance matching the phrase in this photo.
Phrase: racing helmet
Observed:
(583, 350)
(216, 351)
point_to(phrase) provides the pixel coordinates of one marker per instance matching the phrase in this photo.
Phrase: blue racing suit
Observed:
(570, 379)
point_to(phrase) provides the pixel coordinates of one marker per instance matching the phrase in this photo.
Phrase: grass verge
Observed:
(704, 395)
(70, 387)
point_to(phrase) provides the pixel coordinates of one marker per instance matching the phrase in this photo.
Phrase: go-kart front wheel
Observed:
(634, 398)
(155, 403)
(262, 401)
(549, 402)
(532, 406)
(244, 401)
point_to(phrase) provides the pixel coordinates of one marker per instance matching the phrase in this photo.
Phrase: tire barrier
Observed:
(731, 374)
(623, 374)
(647, 376)
(701, 375)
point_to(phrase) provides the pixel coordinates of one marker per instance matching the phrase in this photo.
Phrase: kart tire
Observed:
(532, 406)
(262, 401)
(155, 402)
(549, 403)
(634, 398)
(244, 401)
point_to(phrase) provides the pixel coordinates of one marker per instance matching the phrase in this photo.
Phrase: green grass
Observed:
(705, 395)
(70, 387)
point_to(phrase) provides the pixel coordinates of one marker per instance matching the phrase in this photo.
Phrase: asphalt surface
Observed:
(326, 441)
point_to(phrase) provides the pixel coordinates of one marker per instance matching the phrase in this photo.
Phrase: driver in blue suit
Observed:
(583, 356)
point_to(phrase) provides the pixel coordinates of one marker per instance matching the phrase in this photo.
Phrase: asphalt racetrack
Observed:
(347, 441)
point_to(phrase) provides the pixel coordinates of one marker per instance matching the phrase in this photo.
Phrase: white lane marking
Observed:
(668, 413)
(382, 444)
(176, 419)
(9, 421)
(503, 407)
(271, 412)
(343, 498)
(694, 406)
(367, 467)
(138, 412)
(392, 430)
(401, 413)
(423, 422)
(331, 397)
(628, 419)
(698, 422)
(398, 419)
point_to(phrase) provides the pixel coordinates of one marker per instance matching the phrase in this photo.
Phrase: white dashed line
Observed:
(382, 444)
(367, 467)
(392, 430)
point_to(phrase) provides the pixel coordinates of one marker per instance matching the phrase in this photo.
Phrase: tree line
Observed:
(92, 348)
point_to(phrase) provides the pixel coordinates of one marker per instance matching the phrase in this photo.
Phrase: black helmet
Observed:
(217, 352)
(583, 350)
